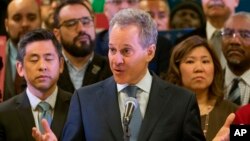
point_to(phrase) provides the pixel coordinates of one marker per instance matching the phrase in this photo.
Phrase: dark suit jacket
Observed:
(96, 71)
(16, 118)
(172, 114)
(10, 89)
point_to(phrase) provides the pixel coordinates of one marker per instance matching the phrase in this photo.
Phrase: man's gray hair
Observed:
(244, 14)
(148, 29)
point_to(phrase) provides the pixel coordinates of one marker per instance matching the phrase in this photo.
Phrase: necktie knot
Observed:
(216, 34)
(131, 90)
(44, 106)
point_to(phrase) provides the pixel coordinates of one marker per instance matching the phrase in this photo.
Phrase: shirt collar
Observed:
(144, 84)
(34, 101)
(210, 30)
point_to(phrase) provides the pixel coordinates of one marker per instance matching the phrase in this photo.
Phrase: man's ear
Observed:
(151, 52)
(20, 68)
(6, 25)
(57, 33)
(61, 59)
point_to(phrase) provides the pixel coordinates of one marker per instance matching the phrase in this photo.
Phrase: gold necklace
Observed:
(209, 108)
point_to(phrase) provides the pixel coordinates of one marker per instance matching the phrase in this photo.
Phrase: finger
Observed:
(229, 120)
(48, 135)
(46, 126)
(36, 134)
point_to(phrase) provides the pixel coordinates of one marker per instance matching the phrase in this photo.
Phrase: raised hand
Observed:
(223, 134)
(48, 134)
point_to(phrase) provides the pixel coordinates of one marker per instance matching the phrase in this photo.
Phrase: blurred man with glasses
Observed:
(236, 49)
(47, 12)
(75, 29)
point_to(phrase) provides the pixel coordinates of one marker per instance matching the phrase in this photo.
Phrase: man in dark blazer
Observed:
(169, 113)
(40, 61)
(74, 28)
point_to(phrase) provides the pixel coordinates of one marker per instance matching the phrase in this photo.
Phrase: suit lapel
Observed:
(25, 115)
(157, 100)
(110, 107)
(9, 90)
(92, 72)
(60, 113)
(65, 80)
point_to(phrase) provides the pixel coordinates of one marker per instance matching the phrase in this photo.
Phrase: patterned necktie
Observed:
(234, 93)
(44, 113)
(136, 119)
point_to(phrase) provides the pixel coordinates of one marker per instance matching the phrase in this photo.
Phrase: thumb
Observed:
(229, 120)
(46, 126)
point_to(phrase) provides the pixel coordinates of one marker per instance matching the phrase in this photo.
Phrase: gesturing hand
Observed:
(223, 134)
(48, 134)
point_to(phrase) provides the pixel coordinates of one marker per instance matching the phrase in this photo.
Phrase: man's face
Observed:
(127, 58)
(77, 31)
(236, 42)
(111, 7)
(219, 8)
(158, 11)
(41, 66)
(47, 12)
(23, 16)
(186, 18)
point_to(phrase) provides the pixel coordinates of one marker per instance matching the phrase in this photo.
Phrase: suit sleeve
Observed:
(73, 129)
(192, 125)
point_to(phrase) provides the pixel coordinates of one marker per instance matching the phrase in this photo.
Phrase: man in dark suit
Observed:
(40, 62)
(74, 28)
(167, 112)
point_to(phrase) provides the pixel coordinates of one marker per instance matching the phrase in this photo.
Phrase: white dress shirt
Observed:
(142, 94)
(34, 101)
(244, 85)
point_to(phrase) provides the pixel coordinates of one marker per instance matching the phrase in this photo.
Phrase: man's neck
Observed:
(78, 62)
(217, 22)
(238, 70)
(42, 94)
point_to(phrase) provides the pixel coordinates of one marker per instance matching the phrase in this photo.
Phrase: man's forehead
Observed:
(23, 5)
(79, 11)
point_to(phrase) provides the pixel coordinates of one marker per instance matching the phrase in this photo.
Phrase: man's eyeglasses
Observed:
(72, 23)
(231, 33)
(119, 2)
(49, 2)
